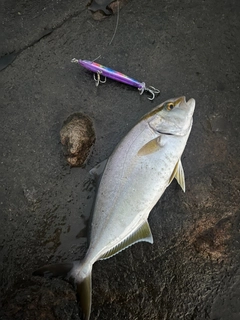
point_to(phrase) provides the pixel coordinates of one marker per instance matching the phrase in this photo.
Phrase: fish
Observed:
(134, 178)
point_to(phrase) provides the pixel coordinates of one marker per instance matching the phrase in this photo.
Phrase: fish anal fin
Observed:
(143, 233)
(150, 147)
(178, 173)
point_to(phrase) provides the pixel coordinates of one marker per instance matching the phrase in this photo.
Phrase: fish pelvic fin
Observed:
(97, 171)
(143, 233)
(178, 173)
(79, 274)
(180, 177)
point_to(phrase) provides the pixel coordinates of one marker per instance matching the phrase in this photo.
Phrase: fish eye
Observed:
(170, 106)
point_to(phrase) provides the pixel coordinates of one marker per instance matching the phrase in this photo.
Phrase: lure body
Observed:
(110, 73)
(106, 72)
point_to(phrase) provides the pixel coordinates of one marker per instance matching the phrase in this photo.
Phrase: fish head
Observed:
(173, 116)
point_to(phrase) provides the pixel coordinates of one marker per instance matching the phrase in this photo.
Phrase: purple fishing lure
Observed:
(106, 72)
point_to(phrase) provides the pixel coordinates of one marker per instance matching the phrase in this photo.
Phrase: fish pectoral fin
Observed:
(98, 169)
(178, 173)
(150, 147)
(143, 233)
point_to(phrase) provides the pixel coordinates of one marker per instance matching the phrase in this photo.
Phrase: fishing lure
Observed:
(100, 70)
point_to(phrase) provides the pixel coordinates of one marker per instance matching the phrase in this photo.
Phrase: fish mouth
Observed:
(183, 103)
(180, 100)
(191, 103)
(191, 106)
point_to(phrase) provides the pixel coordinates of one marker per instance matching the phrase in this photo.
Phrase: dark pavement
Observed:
(188, 48)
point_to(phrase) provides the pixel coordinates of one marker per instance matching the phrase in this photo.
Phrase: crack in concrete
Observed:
(7, 59)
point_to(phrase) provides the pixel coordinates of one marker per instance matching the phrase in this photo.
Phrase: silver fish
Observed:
(135, 176)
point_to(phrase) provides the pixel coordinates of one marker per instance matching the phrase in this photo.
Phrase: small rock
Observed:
(102, 8)
(102, 5)
(77, 136)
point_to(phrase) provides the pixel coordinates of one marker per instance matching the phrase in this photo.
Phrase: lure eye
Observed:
(170, 106)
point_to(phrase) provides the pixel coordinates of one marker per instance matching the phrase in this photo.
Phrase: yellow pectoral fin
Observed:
(178, 173)
(150, 147)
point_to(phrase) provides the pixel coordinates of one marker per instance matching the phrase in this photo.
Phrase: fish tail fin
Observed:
(84, 291)
(78, 274)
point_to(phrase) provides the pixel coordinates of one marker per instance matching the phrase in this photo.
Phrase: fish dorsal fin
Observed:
(97, 171)
(143, 233)
(150, 147)
(178, 173)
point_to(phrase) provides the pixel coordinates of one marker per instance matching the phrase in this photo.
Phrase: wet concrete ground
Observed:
(189, 48)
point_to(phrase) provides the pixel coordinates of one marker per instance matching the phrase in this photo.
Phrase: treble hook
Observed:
(151, 90)
(98, 79)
